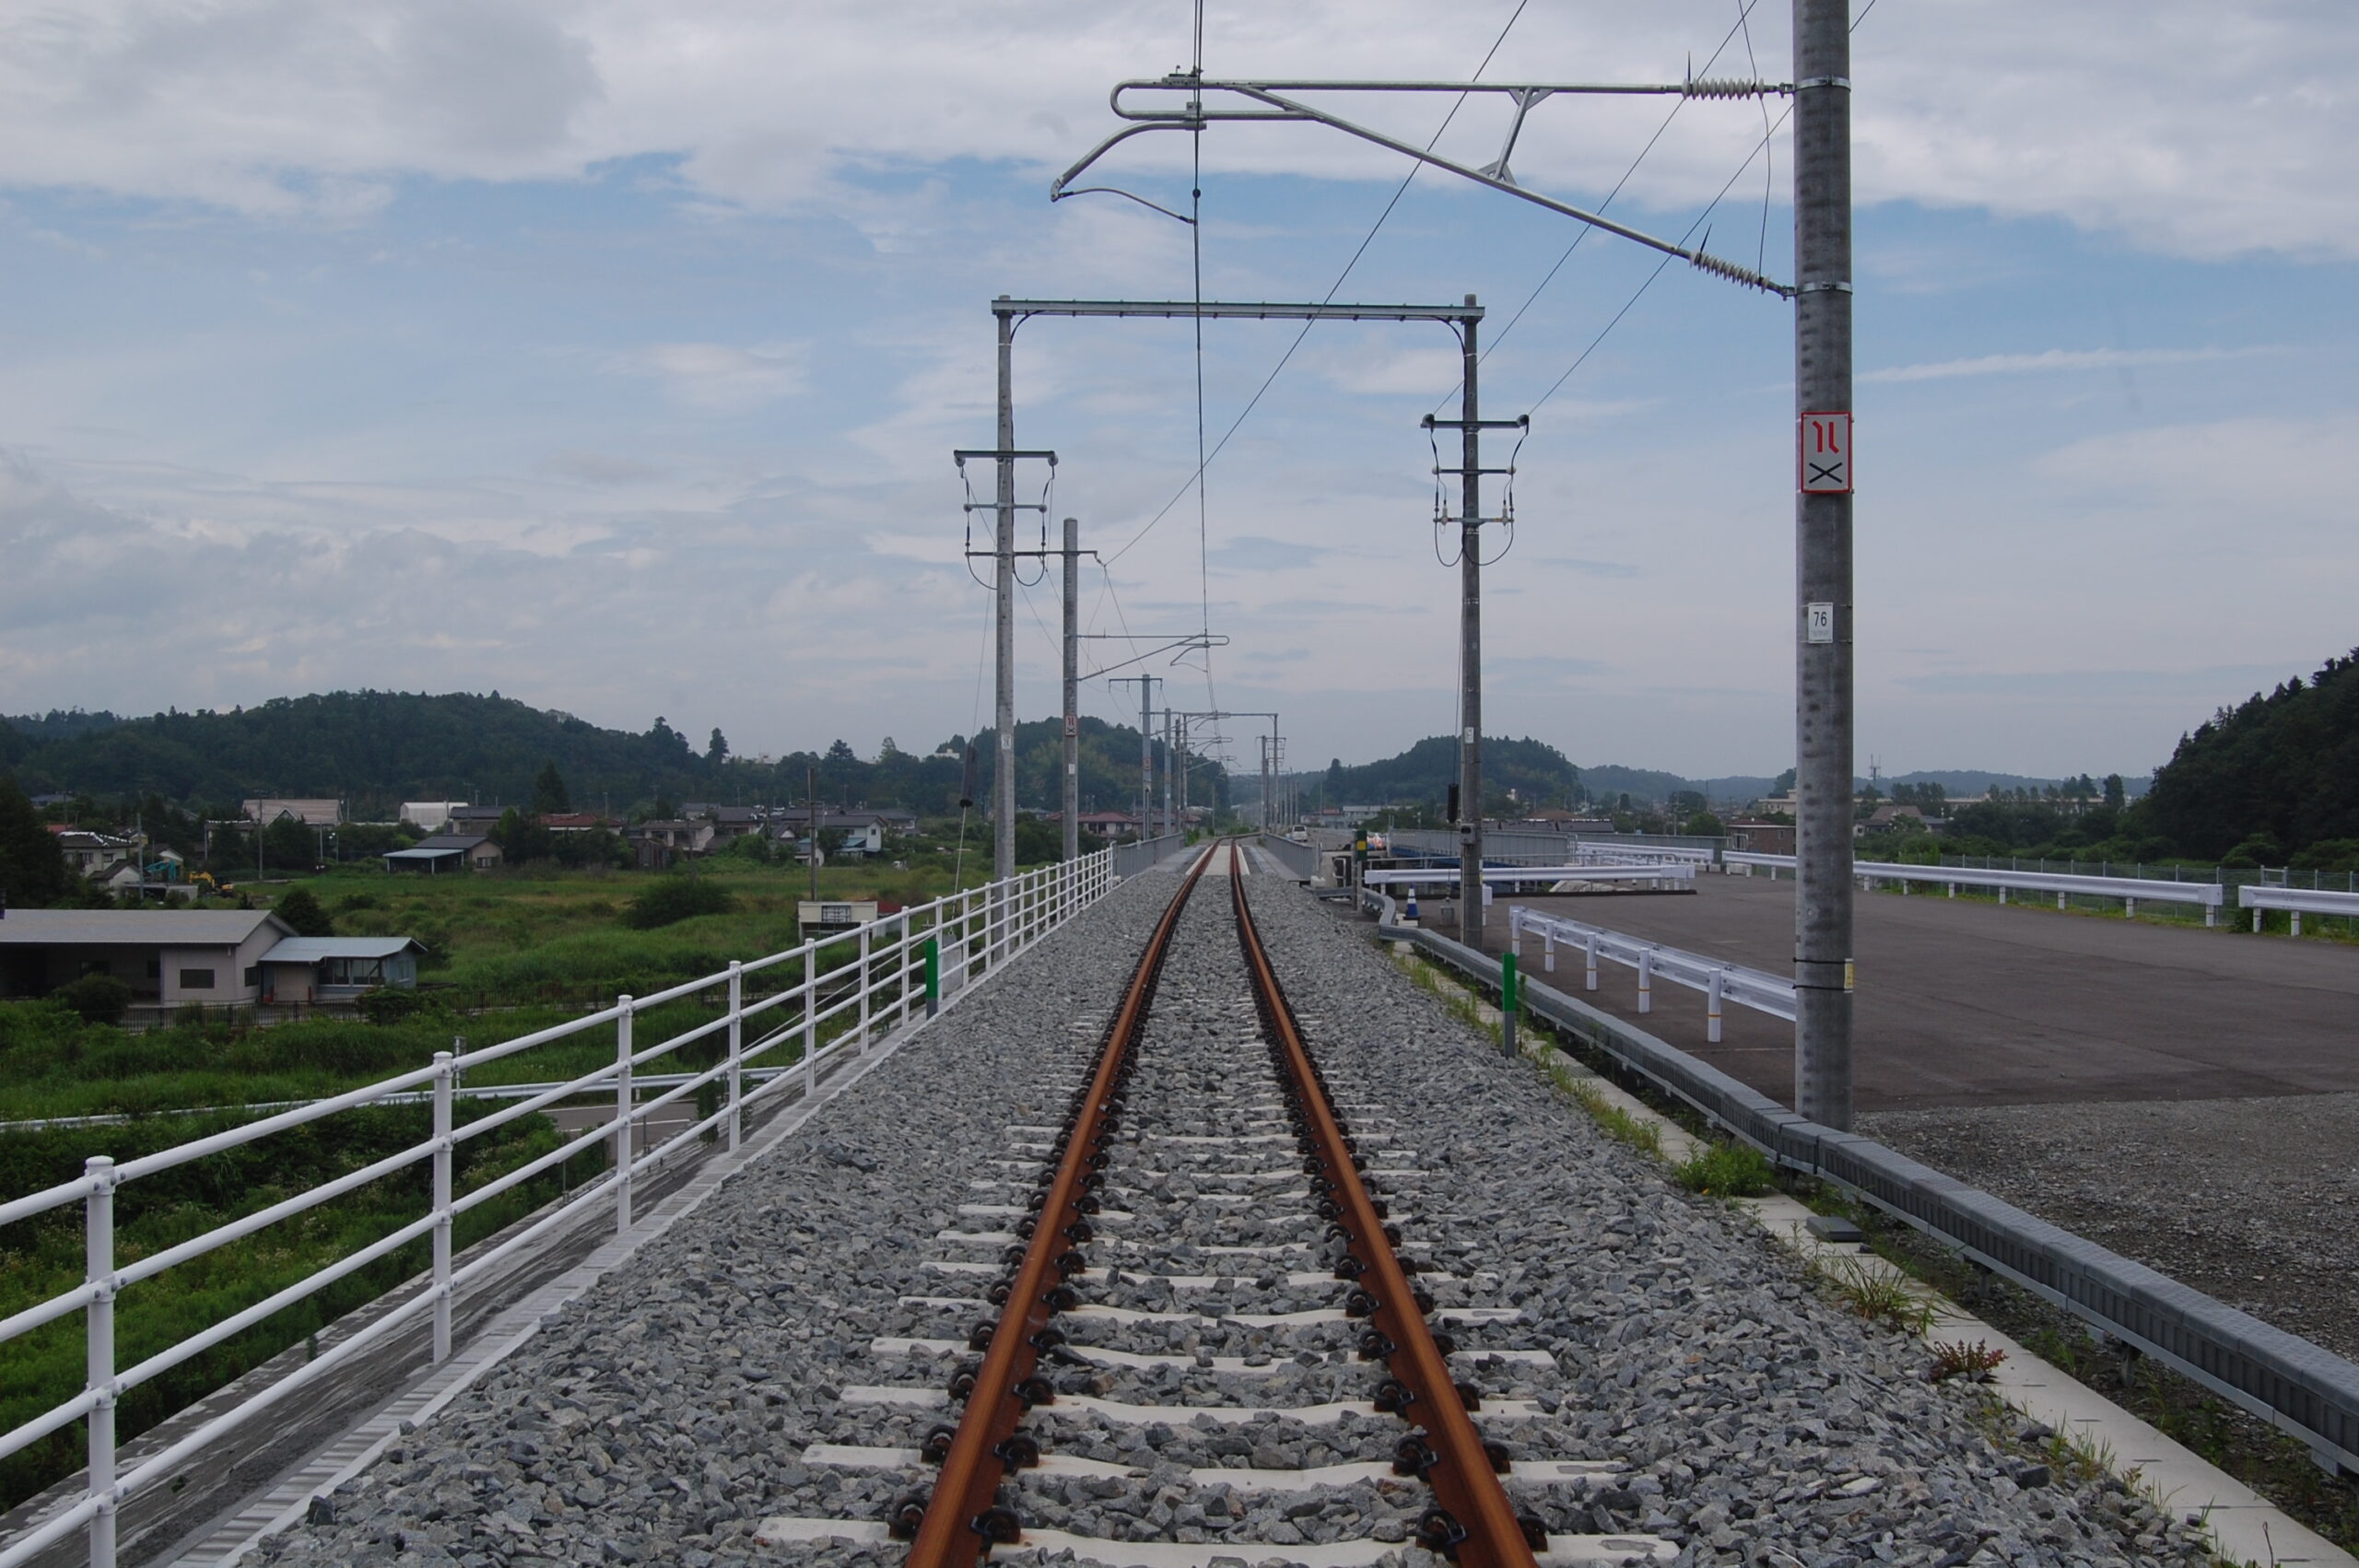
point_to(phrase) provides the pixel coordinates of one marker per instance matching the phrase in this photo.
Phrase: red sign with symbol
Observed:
(1825, 454)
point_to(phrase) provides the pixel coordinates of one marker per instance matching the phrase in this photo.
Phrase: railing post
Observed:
(623, 1151)
(902, 951)
(1590, 979)
(860, 1047)
(1646, 980)
(2130, 908)
(736, 1047)
(809, 1020)
(444, 1156)
(1548, 950)
(98, 1362)
(1712, 1009)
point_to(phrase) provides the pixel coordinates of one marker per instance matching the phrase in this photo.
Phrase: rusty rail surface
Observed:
(1474, 1523)
(964, 1518)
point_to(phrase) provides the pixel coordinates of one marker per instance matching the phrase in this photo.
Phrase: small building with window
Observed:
(336, 968)
(168, 957)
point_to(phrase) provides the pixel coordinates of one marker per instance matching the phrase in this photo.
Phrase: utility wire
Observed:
(1254, 401)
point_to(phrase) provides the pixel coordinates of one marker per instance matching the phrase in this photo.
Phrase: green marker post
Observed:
(1511, 999)
(933, 950)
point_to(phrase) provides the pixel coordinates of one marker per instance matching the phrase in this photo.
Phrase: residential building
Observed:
(336, 968)
(577, 821)
(310, 812)
(168, 957)
(446, 852)
(1761, 838)
(432, 816)
(87, 852)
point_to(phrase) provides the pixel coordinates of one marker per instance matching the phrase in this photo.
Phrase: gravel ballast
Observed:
(1707, 1395)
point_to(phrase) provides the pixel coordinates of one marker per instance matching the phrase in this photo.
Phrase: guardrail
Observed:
(2295, 1386)
(2210, 895)
(1720, 982)
(1134, 856)
(2297, 901)
(1300, 859)
(896, 971)
(1497, 876)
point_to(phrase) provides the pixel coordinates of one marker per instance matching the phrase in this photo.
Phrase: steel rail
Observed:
(963, 1520)
(1475, 1525)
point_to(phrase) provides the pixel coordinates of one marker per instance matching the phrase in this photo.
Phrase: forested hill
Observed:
(1536, 771)
(2276, 775)
(377, 749)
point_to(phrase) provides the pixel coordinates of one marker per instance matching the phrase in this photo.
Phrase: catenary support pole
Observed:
(1470, 650)
(1004, 623)
(1072, 693)
(1823, 896)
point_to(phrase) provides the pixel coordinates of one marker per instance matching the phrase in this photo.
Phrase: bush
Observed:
(300, 909)
(1727, 1170)
(100, 999)
(675, 899)
(389, 1004)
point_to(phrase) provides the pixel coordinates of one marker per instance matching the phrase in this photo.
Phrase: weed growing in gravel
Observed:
(1727, 1170)
(1874, 1294)
(1973, 1362)
(1619, 1124)
(1455, 997)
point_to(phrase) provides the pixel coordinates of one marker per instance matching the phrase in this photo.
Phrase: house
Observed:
(575, 822)
(336, 968)
(87, 852)
(168, 957)
(1761, 838)
(310, 813)
(446, 852)
(1890, 815)
(658, 844)
(430, 815)
(824, 916)
(1105, 825)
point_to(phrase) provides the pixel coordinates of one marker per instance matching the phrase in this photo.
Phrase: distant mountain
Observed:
(377, 749)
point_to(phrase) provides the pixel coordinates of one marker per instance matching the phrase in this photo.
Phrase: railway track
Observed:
(1221, 1239)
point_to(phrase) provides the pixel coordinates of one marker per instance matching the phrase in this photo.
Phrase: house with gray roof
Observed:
(168, 957)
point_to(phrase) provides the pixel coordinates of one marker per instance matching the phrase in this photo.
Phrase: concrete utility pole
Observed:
(1003, 601)
(1170, 768)
(1072, 692)
(1147, 685)
(1823, 807)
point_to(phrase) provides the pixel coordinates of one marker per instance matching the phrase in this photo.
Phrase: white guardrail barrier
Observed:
(2298, 901)
(2130, 890)
(1772, 994)
(890, 977)
(1658, 871)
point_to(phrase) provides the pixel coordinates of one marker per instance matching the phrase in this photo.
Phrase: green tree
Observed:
(286, 845)
(100, 999)
(549, 797)
(300, 909)
(716, 750)
(2116, 794)
(32, 867)
(1704, 824)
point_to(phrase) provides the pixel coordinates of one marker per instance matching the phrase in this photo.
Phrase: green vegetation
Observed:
(676, 898)
(1727, 1170)
(378, 749)
(97, 998)
(41, 1257)
(1876, 1292)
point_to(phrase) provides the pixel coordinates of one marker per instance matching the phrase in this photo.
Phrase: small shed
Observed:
(336, 968)
(446, 852)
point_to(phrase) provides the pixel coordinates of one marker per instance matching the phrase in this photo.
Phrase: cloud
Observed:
(720, 375)
(2059, 359)
(2186, 127)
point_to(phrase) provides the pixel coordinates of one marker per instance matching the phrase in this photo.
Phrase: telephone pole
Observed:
(1823, 809)
(1147, 685)
(1072, 693)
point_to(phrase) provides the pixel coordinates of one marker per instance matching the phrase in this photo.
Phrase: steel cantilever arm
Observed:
(1195, 117)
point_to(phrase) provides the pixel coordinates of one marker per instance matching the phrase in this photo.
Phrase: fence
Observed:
(1138, 855)
(1660, 873)
(896, 969)
(2298, 1386)
(2210, 895)
(1300, 859)
(1772, 994)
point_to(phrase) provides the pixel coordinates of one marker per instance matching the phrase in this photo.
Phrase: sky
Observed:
(612, 355)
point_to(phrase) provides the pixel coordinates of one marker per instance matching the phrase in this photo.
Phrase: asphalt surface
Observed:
(1968, 1003)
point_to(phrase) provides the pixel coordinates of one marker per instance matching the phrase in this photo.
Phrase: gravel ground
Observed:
(2255, 1203)
(1722, 1405)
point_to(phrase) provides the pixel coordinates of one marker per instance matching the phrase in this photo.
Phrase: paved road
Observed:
(1968, 1003)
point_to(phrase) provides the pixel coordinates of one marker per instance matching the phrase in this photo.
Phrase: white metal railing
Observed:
(2298, 901)
(1772, 994)
(841, 1008)
(2210, 895)
(1592, 851)
(1602, 870)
